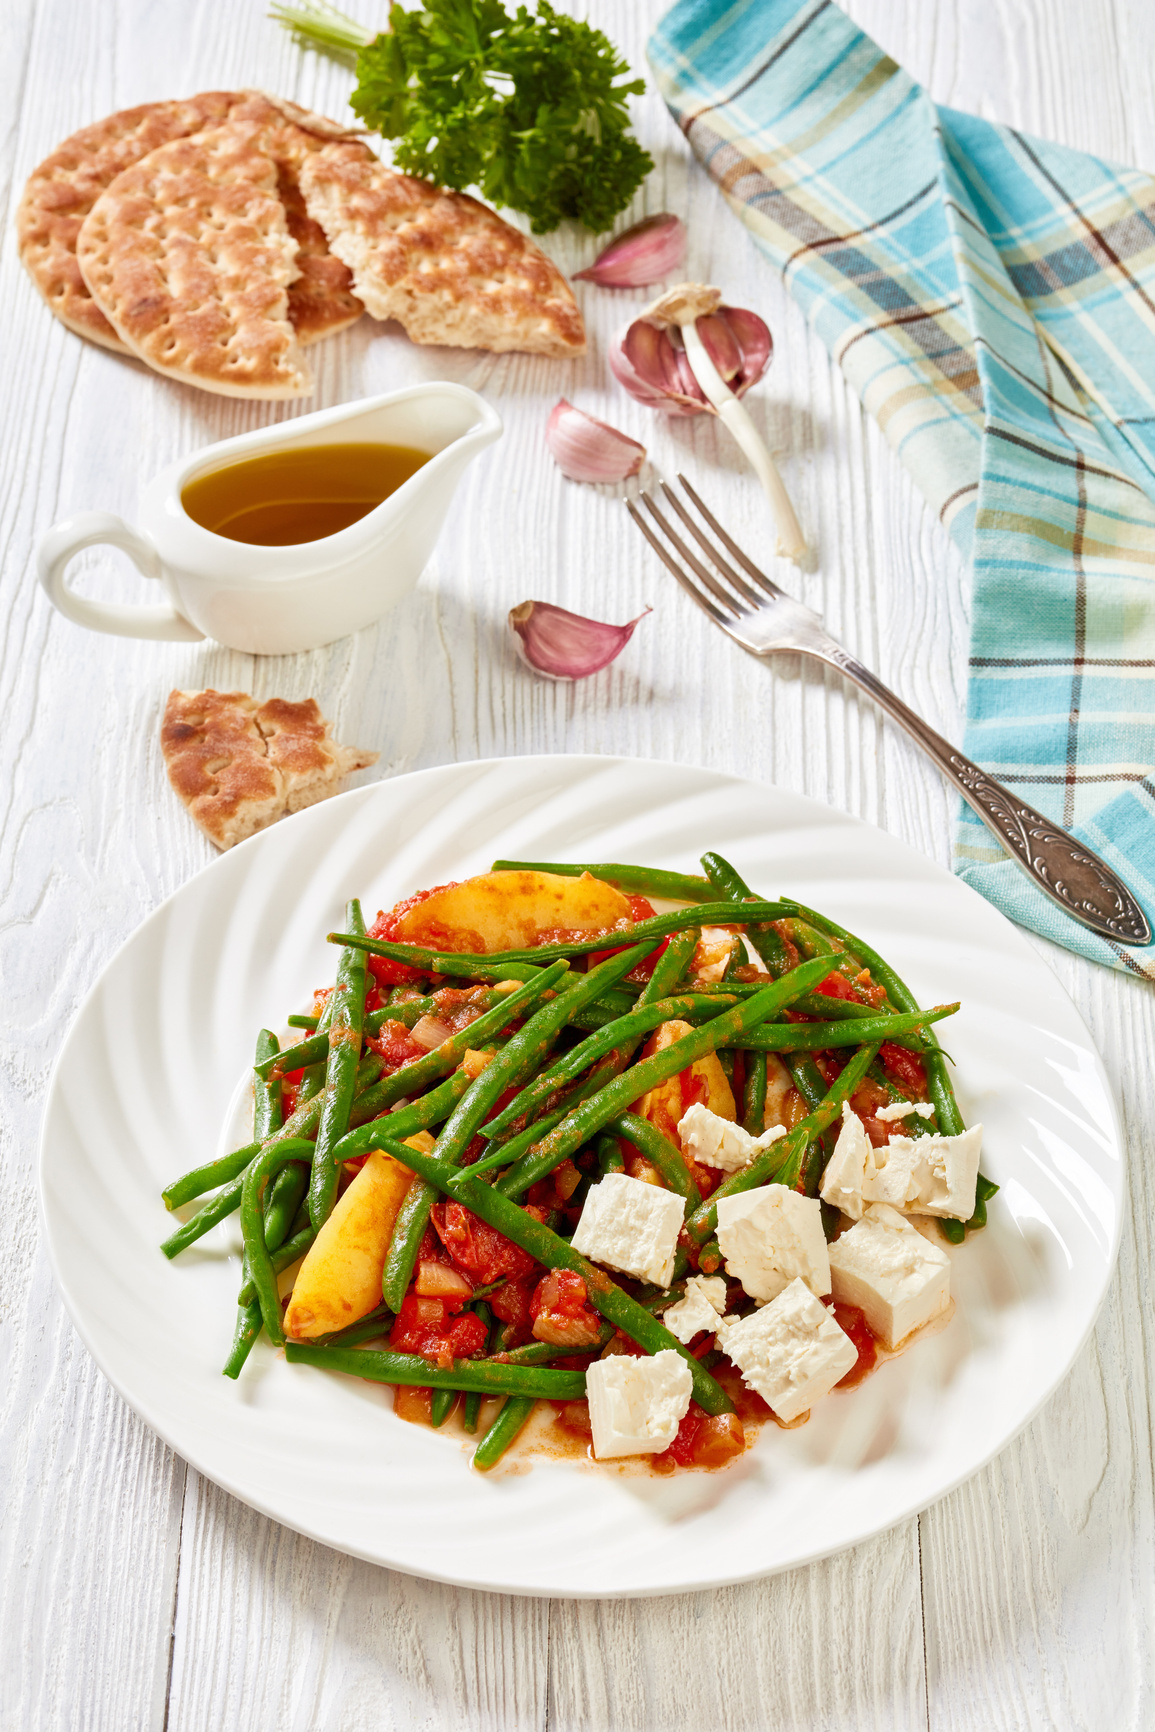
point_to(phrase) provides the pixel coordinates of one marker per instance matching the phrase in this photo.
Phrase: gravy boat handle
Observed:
(102, 528)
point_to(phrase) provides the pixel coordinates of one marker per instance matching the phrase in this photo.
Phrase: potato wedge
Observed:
(665, 1104)
(340, 1279)
(511, 911)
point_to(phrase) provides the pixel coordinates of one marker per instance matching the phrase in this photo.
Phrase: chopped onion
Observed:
(645, 253)
(587, 449)
(428, 1032)
(564, 645)
(439, 1281)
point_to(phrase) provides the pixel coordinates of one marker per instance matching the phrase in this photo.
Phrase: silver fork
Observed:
(764, 619)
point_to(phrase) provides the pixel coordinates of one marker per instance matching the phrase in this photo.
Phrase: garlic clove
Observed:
(564, 645)
(586, 449)
(645, 253)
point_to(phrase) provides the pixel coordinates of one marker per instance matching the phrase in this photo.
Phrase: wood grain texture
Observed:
(133, 1594)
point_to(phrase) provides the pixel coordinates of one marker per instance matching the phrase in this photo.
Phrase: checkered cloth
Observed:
(992, 300)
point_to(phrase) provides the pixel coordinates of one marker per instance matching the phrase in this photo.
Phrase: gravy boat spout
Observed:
(278, 600)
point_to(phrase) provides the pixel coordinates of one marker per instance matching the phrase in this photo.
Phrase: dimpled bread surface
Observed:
(238, 765)
(448, 268)
(189, 257)
(63, 189)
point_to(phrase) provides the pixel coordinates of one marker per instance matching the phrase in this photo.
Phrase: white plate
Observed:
(148, 1070)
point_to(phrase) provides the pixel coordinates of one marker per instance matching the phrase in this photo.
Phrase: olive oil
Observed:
(299, 495)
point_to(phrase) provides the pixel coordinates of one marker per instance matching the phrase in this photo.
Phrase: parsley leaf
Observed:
(530, 109)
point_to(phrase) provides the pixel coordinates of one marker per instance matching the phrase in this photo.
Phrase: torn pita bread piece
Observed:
(444, 265)
(189, 257)
(239, 765)
(63, 189)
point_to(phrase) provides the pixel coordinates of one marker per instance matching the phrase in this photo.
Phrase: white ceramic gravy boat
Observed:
(277, 600)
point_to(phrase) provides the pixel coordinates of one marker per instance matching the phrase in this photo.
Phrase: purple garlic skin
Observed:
(563, 645)
(646, 253)
(651, 362)
(586, 449)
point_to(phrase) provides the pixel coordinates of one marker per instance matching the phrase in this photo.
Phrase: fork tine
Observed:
(730, 544)
(692, 560)
(671, 564)
(711, 552)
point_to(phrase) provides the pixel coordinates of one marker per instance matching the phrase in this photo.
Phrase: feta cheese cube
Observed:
(637, 1405)
(771, 1236)
(903, 1110)
(631, 1226)
(931, 1175)
(712, 956)
(846, 1169)
(898, 1279)
(700, 1310)
(791, 1351)
(717, 1142)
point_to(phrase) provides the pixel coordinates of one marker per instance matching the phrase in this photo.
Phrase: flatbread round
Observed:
(444, 265)
(62, 191)
(189, 257)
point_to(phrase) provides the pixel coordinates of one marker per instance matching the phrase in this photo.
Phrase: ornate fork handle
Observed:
(1071, 875)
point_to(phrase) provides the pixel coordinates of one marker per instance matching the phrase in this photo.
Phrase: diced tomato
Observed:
(905, 1066)
(561, 1311)
(384, 970)
(575, 1416)
(703, 1441)
(835, 986)
(694, 1087)
(432, 1328)
(478, 1248)
(851, 1320)
(290, 1086)
(511, 1303)
(395, 1045)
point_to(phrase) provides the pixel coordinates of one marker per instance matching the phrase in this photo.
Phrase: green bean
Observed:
(571, 1065)
(408, 1012)
(510, 1422)
(198, 1180)
(764, 939)
(640, 932)
(410, 1368)
(440, 1406)
(661, 1154)
(301, 1021)
(594, 1114)
(345, 1030)
(710, 1257)
(419, 1073)
(610, 1159)
(545, 1352)
(267, 1114)
(670, 966)
(754, 1096)
(472, 1412)
(272, 1157)
(642, 880)
(248, 1327)
(297, 1125)
(282, 1258)
(779, 1163)
(287, 1189)
(554, 1252)
(522, 1056)
(375, 1322)
(817, 1036)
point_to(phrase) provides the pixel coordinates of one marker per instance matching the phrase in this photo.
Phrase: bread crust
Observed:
(444, 265)
(238, 765)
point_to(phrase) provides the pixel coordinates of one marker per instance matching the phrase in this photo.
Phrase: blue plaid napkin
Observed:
(992, 300)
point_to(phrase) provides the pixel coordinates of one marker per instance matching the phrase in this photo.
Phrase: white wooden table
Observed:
(134, 1594)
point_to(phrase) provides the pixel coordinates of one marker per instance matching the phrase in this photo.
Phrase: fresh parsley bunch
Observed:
(530, 109)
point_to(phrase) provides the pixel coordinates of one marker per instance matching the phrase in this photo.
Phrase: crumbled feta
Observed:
(636, 1405)
(931, 1175)
(898, 1279)
(771, 1236)
(631, 1226)
(903, 1110)
(700, 1310)
(791, 1351)
(845, 1170)
(717, 1142)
